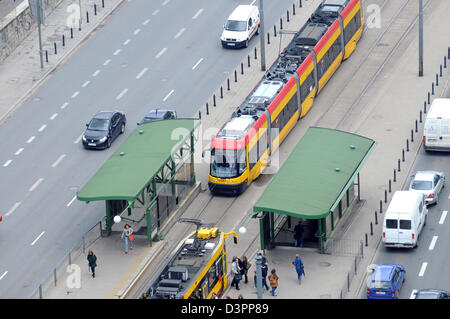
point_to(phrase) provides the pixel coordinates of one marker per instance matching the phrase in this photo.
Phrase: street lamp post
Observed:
(420, 38)
(262, 36)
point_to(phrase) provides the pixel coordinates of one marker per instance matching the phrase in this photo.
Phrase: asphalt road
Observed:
(148, 54)
(426, 264)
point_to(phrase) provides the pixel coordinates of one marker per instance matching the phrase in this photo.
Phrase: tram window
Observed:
(253, 155)
(242, 161)
(352, 26)
(262, 143)
(212, 277)
(307, 86)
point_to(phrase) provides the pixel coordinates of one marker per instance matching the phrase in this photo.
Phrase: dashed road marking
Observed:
(121, 94)
(146, 22)
(15, 206)
(433, 243)
(442, 220)
(31, 139)
(127, 41)
(196, 64)
(36, 184)
(161, 53)
(116, 52)
(37, 238)
(7, 163)
(58, 160)
(422, 269)
(64, 105)
(136, 31)
(70, 203)
(141, 73)
(20, 150)
(106, 62)
(75, 94)
(4, 274)
(86, 84)
(95, 73)
(167, 96)
(179, 33)
(199, 12)
(53, 116)
(42, 128)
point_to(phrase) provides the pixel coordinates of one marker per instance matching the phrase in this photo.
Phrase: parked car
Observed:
(241, 26)
(158, 115)
(429, 183)
(432, 294)
(385, 281)
(436, 130)
(103, 129)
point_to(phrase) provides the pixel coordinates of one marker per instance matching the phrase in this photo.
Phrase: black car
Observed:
(432, 294)
(158, 115)
(103, 129)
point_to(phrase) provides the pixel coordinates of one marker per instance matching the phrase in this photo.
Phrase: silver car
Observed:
(430, 183)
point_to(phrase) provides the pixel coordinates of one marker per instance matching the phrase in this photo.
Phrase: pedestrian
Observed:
(92, 260)
(245, 265)
(299, 267)
(273, 280)
(128, 234)
(236, 272)
(298, 234)
(264, 271)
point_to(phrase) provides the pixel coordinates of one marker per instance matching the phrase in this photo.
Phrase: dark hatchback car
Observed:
(432, 294)
(103, 129)
(158, 115)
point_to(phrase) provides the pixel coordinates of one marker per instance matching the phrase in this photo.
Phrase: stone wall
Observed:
(18, 24)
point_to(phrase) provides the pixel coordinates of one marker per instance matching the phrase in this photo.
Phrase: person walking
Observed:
(236, 272)
(264, 271)
(127, 233)
(299, 267)
(245, 265)
(273, 280)
(298, 234)
(92, 260)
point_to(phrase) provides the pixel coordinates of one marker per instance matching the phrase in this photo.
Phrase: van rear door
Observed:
(405, 229)
(432, 132)
(391, 230)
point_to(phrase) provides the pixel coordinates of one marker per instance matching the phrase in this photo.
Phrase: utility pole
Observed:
(420, 38)
(37, 11)
(262, 36)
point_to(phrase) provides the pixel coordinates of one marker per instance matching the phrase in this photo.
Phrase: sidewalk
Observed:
(325, 274)
(21, 73)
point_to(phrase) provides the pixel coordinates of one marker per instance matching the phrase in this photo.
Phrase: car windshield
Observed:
(236, 25)
(422, 185)
(427, 295)
(98, 124)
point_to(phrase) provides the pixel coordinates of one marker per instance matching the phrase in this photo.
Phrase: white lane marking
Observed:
(95, 73)
(37, 238)
(442, 220)
(64, 105)
(35, 185)
(86, 84)
(127, 41)
(58, 160)
(155, 12)
(31, 139)
(146, 22)
(413, 294)
(136, 31)
(75, 94)
(53, 116)
(433, 243)
(7, 163)
(106, 62)
(422, 269)
(78, 138)
(196, 64)
(15, 206)
(179, 33)
(18, 151)
(116, 52)
(70, 203)
(161, 53)
(165, 2)
(141, 73)
(167, 96)
(121, 94)
(199, 12)
(42, 128)
(4, 274)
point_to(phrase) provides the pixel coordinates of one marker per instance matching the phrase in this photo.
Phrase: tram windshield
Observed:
(225, 163)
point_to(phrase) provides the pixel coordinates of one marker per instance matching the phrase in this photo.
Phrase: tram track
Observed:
(214, 209)
(340, 101)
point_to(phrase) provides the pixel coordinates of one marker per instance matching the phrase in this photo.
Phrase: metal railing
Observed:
(60, 269)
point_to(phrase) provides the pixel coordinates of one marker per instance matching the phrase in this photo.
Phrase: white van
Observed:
(404, 219)
(240, 27)
(436, 131)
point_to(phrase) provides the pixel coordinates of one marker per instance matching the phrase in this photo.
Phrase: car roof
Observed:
(106, 115)
(430, 291)
(384, 272)
(425, 175)
(158, 112)
(241, 12)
